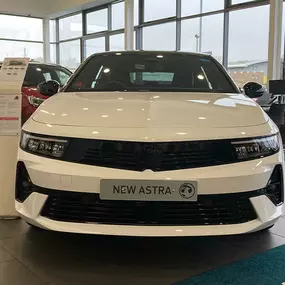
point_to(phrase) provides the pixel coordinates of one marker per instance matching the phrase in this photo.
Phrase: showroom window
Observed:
(21, 37)
(191, 7)
(52, 31)
(195, 7)
(241, 1)
(136, 12)
(21, 49)
(197, 35)
(210, 5)
(52, 35)
(97, 21)
(159, 9)
(94, 46)
(70, 27)
(21, 28)
(199, 27)
(190, 35)
(53, 53)
(70, 54)
(117, 42)
(248, 45)
(118, 19)
(160, 37)
(213, 25)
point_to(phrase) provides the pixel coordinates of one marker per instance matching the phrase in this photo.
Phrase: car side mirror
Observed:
(254, 90)
(49, 88)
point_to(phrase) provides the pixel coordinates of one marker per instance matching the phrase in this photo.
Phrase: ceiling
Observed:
(44, 8)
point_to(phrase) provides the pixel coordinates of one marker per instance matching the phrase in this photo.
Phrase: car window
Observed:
(47, 76)
(32, 77)
(151, 72)
(63, 76)
(38, 73)
(162, 77)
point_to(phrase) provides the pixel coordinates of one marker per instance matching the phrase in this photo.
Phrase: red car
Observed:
(36, 74)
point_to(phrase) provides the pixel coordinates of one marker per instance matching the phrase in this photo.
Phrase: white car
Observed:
(150, 144)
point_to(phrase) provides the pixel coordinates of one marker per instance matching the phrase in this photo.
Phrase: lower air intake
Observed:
(209, 210)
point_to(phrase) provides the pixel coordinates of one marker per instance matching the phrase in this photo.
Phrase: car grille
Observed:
(219, 209)
(139, 156)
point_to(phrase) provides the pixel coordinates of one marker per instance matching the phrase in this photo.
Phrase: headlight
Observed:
(34, 101)
(41, 145)
(256, 147)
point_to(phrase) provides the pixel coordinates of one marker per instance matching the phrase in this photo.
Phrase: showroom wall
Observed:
(235, 32)
(20, 37)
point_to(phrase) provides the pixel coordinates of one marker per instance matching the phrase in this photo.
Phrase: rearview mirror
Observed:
(254, 90)
(48, 88)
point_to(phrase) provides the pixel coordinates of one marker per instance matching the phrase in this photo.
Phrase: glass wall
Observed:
(70, 27)
(118, 19)
(117, 42)
(97, 21)
(235, 32)
(70, 54)
(159, 9)
(160, 37)
(21, 37)
(248, 44)
(94, 46)
(197, 35)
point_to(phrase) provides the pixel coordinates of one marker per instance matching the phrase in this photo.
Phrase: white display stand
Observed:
(12, 74)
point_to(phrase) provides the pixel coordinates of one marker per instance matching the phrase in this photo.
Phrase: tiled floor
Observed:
(32, 257)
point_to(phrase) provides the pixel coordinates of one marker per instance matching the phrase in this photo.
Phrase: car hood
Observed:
(150, 110)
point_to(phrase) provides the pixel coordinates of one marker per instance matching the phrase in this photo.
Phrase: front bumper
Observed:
(229, 179)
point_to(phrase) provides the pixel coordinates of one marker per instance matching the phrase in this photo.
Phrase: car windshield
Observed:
(149, 71)
(38, 73)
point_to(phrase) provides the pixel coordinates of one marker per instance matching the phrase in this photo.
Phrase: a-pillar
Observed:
(129, 24)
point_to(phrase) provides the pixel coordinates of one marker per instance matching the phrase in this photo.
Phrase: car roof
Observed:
(42, 63)
(157, 52)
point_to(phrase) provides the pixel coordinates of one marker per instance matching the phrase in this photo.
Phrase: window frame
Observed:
(228, 7)
(23, 40)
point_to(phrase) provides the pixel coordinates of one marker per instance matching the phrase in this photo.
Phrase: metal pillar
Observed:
(46, 40)
(199, 40)
(275, 38)
(129, 24)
